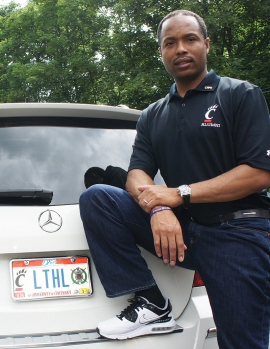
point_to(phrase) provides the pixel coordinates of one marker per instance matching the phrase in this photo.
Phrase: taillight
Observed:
(197, 281)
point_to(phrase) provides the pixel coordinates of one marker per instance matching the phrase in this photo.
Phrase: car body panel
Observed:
(22, 229)
(67, 110)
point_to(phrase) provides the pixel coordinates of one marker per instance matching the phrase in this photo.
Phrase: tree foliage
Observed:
(105, 51)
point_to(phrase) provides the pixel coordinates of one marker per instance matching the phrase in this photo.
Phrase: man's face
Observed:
(183, 49)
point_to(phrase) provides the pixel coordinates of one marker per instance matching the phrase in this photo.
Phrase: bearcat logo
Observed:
(19, 281)
(208, 117)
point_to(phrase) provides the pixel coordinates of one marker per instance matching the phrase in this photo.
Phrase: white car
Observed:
(50, 294)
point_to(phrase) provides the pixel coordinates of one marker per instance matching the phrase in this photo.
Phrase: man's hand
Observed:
(167, 232)
(158, 195)
(168, 238)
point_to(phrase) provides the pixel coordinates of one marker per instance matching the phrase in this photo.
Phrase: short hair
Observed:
(184, 13)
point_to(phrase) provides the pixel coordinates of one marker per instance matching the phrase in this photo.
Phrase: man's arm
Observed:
(135, 179)
(235, 184)
(238, 183)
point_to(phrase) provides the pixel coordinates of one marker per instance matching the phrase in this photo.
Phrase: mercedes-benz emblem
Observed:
(50, 221)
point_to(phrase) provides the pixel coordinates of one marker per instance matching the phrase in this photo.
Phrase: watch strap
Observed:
(186, 200)
(185, 192)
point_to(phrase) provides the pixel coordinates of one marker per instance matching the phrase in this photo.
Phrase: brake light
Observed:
(197, 281)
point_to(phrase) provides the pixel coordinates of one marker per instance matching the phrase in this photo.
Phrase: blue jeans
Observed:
(232, 259)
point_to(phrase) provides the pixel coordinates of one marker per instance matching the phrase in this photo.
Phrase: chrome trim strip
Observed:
(211, 333)
(50, 339)
(44, 340)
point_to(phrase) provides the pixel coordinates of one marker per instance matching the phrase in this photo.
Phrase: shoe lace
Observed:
(130, 311)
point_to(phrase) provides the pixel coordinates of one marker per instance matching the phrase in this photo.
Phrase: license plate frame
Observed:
(50, 278)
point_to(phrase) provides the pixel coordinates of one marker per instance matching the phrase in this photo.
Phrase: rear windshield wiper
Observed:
(26, 196)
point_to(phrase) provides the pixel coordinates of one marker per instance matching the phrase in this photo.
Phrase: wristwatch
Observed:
(185, 192)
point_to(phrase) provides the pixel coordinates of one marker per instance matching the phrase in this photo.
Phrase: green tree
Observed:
(132, 70)
(105, 51)
(49, 50)
(240, 44)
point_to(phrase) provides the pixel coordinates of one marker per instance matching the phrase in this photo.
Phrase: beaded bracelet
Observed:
(162, 208)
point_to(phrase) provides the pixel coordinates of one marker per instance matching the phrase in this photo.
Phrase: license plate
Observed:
(50, 278)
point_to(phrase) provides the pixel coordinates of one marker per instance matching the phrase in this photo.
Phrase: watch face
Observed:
(184, 190)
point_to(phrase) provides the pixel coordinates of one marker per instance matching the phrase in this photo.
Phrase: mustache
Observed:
(182, 59)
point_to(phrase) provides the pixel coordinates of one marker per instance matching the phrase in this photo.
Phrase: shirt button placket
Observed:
(181, 117)
(182, 114)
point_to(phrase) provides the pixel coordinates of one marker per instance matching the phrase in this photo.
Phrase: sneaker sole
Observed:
(142, 331)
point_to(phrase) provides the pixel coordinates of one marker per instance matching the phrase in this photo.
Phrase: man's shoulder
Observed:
(233, 83)
(235, 90)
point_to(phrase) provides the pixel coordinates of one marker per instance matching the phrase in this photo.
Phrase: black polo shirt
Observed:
(215, 127)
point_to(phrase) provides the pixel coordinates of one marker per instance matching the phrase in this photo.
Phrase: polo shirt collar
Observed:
(208, 84)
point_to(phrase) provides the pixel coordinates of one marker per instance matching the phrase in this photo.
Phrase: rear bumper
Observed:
(195, 329)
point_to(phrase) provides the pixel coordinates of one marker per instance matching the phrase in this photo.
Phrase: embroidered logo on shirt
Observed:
(268, 153)
(209, 115)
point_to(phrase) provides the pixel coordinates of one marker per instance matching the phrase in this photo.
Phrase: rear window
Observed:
(56, 157)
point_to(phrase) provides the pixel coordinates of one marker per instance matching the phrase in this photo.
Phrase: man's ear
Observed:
(160, 51)
(207, 45)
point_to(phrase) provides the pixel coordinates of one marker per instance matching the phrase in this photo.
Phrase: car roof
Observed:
(68, 110)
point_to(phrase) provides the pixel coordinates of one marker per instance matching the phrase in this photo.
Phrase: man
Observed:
(112, 175)
(210, 138)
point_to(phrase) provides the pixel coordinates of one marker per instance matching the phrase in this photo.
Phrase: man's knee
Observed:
(99, 194)
(91, 192)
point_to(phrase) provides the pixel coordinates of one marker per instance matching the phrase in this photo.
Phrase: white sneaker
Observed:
(138, 319)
